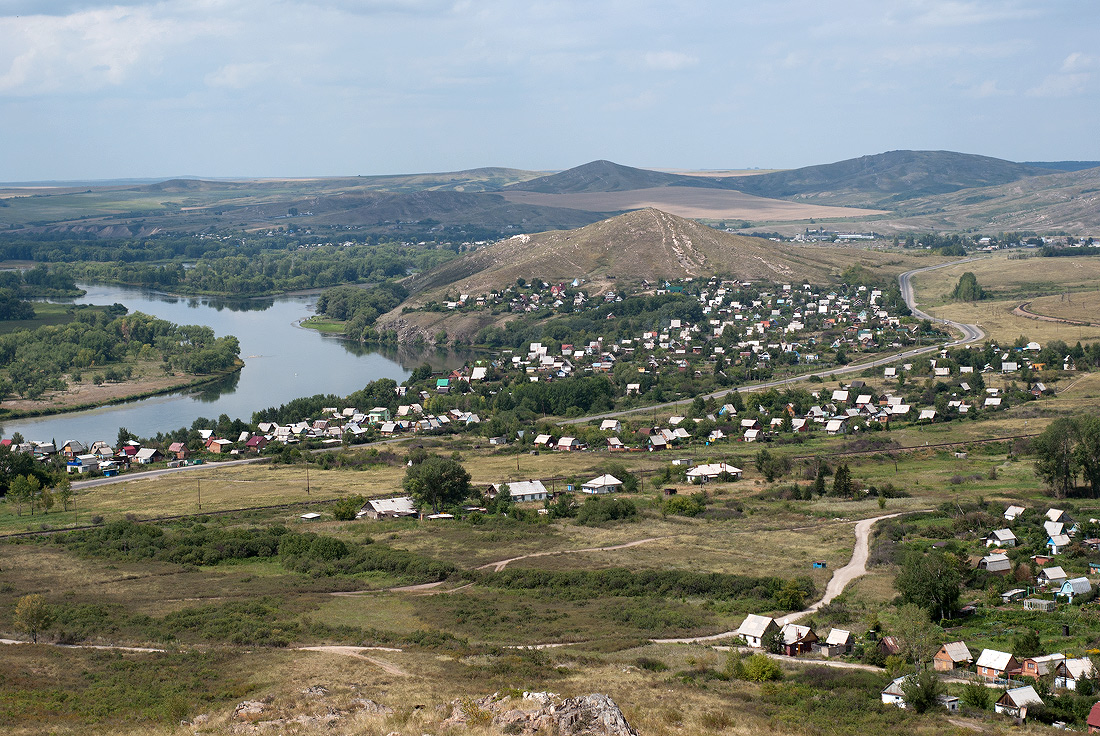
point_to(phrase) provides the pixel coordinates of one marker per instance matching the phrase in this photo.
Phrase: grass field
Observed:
(1079, 306)
(690, 202)
(45, 313)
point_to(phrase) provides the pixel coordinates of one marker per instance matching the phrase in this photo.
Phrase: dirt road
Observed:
(500, 565)
(855, 568)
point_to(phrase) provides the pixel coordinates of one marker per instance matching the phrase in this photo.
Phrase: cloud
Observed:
(1077, 62)
(1061, 85)
(956, 13)
(88, 50)
(669, 60)
(987, 89)
(238, 76)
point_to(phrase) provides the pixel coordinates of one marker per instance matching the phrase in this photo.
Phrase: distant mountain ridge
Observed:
(608, 176)
(887, 178)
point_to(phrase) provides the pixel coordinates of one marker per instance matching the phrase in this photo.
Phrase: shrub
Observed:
(599, 510)
(346, 508)
(761, 668)
(651, 664)
(976, 695)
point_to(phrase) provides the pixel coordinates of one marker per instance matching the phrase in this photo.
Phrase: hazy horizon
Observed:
(139, 89)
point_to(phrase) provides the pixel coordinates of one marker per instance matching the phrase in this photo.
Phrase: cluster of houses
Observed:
(992, 667)
(1060, 531)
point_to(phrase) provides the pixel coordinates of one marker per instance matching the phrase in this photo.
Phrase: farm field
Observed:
(690, 202)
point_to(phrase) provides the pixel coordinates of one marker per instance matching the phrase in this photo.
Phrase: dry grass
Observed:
(1079, 306)
(717, 204)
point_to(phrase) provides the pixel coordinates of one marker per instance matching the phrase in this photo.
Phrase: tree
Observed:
(976, 695)
(931, 582)
(790, 597)
(916, 635)
(772, 641)
(771, 465)
(842, 481)
(1054, 456)
(346, 508)
(922, 690)
(63, 491)
(1087, 452)
(968, 290)
(33, 615)
(436, 482)
(1026, 644)
(819, 480)
(22, 491)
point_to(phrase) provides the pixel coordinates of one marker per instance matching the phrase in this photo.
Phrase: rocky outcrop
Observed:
(595, 714)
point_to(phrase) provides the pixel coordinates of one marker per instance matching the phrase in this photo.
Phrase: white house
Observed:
(995, 563)
(710, 471)
(1000, 538)
(1058, 543)
(603, 484)
(1052, 576)
(388, 508)
(893, 694)
(754, 628)
(1013, 512)
(522, 491)
(1069, 671)
(611, 425)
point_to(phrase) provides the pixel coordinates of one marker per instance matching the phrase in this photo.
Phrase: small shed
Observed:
(952, 656)
(602, 484)
(1016, 701)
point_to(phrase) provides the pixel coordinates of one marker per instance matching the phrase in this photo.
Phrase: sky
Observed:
(248, 88)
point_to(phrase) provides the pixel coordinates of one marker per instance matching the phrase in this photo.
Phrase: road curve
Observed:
(856, 567)
(971, 333)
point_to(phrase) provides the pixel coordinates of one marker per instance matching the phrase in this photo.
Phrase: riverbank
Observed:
(85, 396)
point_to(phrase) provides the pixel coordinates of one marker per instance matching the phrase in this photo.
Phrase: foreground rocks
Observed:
(588, 715)
(513, 714)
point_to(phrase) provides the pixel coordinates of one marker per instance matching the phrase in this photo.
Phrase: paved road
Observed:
(971, 333)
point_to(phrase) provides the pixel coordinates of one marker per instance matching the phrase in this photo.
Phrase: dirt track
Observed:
(855, 568)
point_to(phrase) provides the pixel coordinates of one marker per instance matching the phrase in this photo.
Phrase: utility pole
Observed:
(307, 476)
(198, 487)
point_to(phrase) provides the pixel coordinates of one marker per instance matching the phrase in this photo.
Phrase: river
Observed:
(282, 361)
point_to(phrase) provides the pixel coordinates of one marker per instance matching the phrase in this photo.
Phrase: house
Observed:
(711, 471)
(1075, 587)
(1093, 721)
(1038, 666)
(797, 639)
(82, 464)
(1069, 671)
(1012, 595)
(614, 444)
(611, 425)
(993, 665)
(148, 455)
(1052, 577)
(754, 628)
(1057, 515)
(569, 444)
(1000, 538)
(522, 491)
(889, 645)
(839, 641)
(952, 656)
(996, 563)
(835, 427)
(378, 415)
(179, 451)
(893, 694)
(1013, 512)
(603, 484)
(1016, 701)
(388, 508)
(217, 445)
(257, 443)
(1058, 543)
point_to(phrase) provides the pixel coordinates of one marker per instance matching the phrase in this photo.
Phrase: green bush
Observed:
(598, 510)
(346, 508)
(761, 668)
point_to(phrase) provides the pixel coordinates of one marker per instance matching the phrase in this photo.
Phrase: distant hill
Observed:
(1063, 165)
(644, 244)
(607, 176)
(444, 207)
(886, 179)
(1068, 200)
